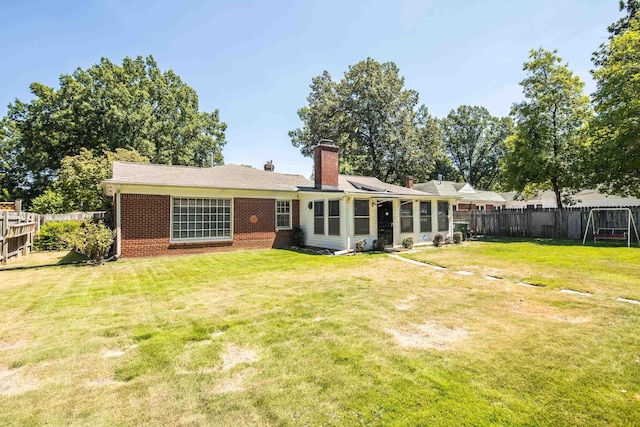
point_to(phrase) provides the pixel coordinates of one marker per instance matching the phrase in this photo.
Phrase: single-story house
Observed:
(161, 209)
(469, 199)
(583, 199)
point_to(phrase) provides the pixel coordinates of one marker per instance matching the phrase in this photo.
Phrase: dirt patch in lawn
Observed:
(235, 355)
(405, 304)
(15, 381)
(6, 345)
(237, 382)
(429, 335)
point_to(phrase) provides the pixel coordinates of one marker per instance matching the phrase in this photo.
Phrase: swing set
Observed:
(609, 231)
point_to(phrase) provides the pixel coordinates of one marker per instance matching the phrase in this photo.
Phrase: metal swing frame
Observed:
(612, 235)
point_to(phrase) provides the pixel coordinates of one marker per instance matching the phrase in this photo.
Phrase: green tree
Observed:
(132, 106)
(49, 202)
(80, 177)
(631, 9)
(378, 125)
(475, 143)
(545, 150)
(615, 131)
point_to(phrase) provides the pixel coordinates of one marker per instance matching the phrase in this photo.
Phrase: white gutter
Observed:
(118, 234)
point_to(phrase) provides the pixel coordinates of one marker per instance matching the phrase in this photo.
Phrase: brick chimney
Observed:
(409, 181)
(325, 156)
(269, 166)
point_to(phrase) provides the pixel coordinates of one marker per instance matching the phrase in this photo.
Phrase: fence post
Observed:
(5, 233)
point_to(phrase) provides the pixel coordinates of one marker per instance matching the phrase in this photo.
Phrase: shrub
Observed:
(438, 240)
(407, 242)
(457, 237)
(298, 236)
(379, 244)
(54, 236)
(93, 240)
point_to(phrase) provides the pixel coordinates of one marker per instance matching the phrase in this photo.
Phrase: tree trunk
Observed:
(556, 189)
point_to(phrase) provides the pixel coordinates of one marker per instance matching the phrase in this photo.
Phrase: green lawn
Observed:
(283, 338)
(612, 270)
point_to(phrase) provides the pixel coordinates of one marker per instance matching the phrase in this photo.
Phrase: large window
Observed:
(283, 214)
(406, 217)
(334, 217)
(425, 217)
(318, 217)
(201, 219)
(361, 225)
(443, 216)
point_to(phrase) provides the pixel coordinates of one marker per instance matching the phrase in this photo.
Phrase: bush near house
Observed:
(54, 236)
(93, 240)
(407, 242)
(438, 240)
(457, 237)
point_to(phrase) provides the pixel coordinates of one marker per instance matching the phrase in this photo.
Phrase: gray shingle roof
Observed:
(226, 176)
(439, 188)
(369, 184)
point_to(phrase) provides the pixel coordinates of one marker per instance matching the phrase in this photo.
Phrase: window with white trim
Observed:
(361, 217)
(443, 216)
(201, 219)
(318, 217)
(334, 217)
(283, 214)
(406, 217)
(425, 217)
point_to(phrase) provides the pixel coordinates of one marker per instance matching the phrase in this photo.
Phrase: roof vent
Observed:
(269, 166)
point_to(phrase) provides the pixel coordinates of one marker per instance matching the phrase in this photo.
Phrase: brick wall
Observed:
(325, 165)
(146, 226)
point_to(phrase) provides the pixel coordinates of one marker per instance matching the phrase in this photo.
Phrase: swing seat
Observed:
(610, 234)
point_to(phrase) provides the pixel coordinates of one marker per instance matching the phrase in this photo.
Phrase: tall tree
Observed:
(615, 131)
(79, 182)
(475, 143)
(376, 122)
(631, 9)
(545, 150)
(132, 106)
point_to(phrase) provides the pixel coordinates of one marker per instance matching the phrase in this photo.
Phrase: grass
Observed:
(283, 338)
(39, 258)
(612, 270)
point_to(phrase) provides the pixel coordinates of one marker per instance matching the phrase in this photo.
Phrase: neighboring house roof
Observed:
(462, 190)
(225, 176)
(584, 198)
(439, 188)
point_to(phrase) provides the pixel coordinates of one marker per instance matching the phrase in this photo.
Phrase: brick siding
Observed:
(146, 227)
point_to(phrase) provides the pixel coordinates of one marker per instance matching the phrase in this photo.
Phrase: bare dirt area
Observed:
(429, 335)
(15, 381)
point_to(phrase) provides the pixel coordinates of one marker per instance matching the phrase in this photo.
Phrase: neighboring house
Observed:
(468, 198)
(585, 198)
(160, 209)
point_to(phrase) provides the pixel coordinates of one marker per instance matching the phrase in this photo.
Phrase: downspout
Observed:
(118, 234)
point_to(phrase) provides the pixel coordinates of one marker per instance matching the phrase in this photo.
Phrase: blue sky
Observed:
(254, 60)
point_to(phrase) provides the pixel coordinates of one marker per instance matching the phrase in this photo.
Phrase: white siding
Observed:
(347, 238)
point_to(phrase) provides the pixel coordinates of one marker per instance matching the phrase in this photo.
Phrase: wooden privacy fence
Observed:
(74, 216)
(564, 223)
(17, 231)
